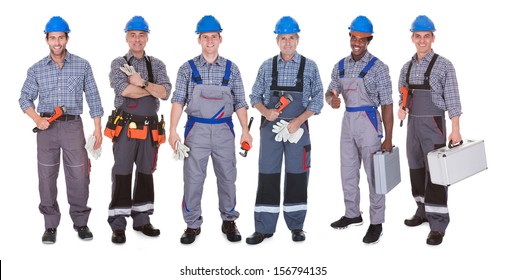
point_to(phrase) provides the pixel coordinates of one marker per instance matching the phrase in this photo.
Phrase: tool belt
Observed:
(138, 126)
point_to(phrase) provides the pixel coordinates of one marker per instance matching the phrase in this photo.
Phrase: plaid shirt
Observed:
(312, 97)
(56, 87)
(377, 82)
(443, 82)
(211, 74)
(119, 80)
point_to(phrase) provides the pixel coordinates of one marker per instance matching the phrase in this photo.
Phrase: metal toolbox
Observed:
(448, 166)
(387, 170)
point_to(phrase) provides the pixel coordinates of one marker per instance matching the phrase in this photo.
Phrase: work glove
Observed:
(127, 69)
(90, 142)
(181, 151)
(281, 130)
(295, 137)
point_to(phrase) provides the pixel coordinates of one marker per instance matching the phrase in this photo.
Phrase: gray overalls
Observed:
(209, 131)
(297, 163)
(426, 132)
(361, 133)
(127, 151)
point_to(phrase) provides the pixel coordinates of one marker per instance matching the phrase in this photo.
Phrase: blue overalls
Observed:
(361, 134)
(297, 163)
(426, 132)
(209, 131)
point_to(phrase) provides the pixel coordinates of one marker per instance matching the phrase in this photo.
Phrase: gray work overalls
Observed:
(297, 163)
(127, 151)
(361, 133)
(426, 132)
(209, 131)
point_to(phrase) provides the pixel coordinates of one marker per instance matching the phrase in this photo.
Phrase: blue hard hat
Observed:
(286, 25)
(208, 24)
(361, 24)
(137, 23)
(422, 23)
(57, 24)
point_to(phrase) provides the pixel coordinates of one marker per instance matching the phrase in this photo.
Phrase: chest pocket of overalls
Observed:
(210, 101)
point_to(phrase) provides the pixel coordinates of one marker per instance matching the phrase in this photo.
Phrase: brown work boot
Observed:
(230, 229)
(189, 235)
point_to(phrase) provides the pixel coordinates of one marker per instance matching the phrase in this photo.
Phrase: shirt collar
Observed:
(67, 59)
(426, 58)
(201, 61)
(129, 55)
(296, 58)
(365, 59)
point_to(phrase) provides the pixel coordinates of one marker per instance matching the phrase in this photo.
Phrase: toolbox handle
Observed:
(382, 151)
(451, 145)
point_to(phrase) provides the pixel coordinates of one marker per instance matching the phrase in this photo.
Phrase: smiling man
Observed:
(60, 79)
(139, 82)
(211, 88)
(433, 82)
(364, 82)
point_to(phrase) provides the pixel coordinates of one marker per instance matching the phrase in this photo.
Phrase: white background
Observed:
(470, 34)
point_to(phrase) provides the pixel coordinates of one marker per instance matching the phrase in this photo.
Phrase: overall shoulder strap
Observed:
(274, 74)
(195, 73)
(148, 65)
(368, 67)
(341, 68)
(226, 78)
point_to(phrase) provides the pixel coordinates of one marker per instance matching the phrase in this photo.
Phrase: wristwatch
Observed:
(145, 84)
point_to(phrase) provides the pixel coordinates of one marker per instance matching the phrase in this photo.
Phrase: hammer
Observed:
(58, 112)
(244, 145)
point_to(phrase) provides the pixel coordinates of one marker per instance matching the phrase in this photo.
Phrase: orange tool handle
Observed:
(284, 102)
(58, 112)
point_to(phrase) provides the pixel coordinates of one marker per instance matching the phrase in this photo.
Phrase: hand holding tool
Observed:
(181, 151)
(406, 98)
(284, 100)
(244, 145)
(58, 112)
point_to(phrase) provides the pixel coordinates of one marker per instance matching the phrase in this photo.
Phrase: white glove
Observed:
(127, 69)
(279, 126)
(295, 137)
(95, 153)
(281, 130)
(181, 151)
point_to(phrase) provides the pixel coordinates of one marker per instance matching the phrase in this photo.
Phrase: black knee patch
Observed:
(144, 190)
(417, 177)
(296, 188)
(121, 198)
(268, 189)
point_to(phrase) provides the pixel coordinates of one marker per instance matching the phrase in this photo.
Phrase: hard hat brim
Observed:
(360, 34)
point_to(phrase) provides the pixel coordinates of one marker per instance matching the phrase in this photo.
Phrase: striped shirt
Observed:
(56, 87)
(119, 80)
(377, 81)
(443, 82)
(211, 74)
(312, 97)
